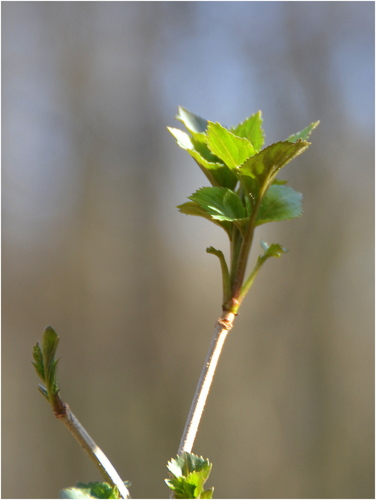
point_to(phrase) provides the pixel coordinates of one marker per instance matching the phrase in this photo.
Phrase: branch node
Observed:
(226, 323)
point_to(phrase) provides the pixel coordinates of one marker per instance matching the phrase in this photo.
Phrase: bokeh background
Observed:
(94, 246)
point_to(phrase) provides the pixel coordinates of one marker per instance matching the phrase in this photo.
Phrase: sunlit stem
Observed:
(249, 281)
(100, 460)
(222, 328)
(241, 264)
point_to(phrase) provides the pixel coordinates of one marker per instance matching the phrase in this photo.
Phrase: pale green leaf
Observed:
(92, 490)
(207, 493)
(186, 463)
(217, 172)
(273, 250)
(182, 138)
(193, 123)
(265, 165)
(75, 493)
(251, 129)
(181, 487)
(303, 134)
(233, 150)
(214, 168)
(189, 475)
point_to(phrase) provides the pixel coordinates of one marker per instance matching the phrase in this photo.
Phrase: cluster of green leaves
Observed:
(244, 191)
(91, 490)
(189, 473)
(244, 194)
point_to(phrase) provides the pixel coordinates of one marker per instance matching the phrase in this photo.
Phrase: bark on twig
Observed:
(100, 460)
(222, 328)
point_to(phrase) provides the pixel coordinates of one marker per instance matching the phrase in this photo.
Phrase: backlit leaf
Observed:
(233, 150)
(193, 208)
(190, 473)
(279, 203)
(193, 123)
(182, 138)
(217, 172)
(265, 165)
(220, 203)
(92, 490)
(303, 134)
(50, 342)
(273, 250)
(251, 129)
(38, 358)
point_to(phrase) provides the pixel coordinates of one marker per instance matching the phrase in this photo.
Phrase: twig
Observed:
(45, 366)
(100, 460)
(222, 328)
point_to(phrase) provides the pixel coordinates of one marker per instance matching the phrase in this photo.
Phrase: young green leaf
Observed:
(204, 151)
(207, 493)
(264, 166)
(303, 134)
(181, 487)
(193, 208)
(187, 462)
(38, 365)
(215, 170)
(273, 250)
(75, 493)
(193, 123)
(91, 490)
(182, 138)
(233, 150)
(232, 156)
(50, 342)
(189, 472)
(220, 203)
(251, 129)
(221, 174)
(49, 345)
(279, 203)
(45, 362)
